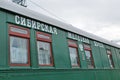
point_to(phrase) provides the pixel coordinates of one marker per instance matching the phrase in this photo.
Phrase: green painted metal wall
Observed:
(117, 51)
(62, 66)
(60, 50)
(83, 62)
(60, 74)
(3, 41)
(104, 58)
(97, 56)
(115, 58)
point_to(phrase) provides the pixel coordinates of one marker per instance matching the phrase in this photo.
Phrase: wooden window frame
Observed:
(74, 45)
(19, 35)
(47, 41)
(89, 49)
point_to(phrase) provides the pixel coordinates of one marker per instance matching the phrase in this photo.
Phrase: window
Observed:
(89, 57)
(19, 46)
(73, 49)
(109, 54)
(44, 49)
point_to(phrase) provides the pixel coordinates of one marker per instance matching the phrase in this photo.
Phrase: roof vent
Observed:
(20, 2)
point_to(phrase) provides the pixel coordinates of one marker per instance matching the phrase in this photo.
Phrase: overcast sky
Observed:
(100, 17)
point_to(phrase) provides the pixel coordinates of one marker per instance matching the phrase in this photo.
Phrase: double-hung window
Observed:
(19, 46)
(89, 57)
(73, 50)
(44, 48)
(109, 54)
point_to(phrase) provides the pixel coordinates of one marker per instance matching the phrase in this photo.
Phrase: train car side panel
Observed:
(3, 41)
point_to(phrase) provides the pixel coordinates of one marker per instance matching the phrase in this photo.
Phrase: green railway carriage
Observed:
(36, 47)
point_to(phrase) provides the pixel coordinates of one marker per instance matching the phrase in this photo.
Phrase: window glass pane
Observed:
(110, 60)
(88, 56)
(109, 54)
(89, 59)
(18, 50)
(44, 53)
(73, 55)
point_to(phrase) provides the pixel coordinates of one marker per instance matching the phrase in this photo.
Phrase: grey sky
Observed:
(100, 17)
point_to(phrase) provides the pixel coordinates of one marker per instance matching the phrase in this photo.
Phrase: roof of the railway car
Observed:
(4, 4)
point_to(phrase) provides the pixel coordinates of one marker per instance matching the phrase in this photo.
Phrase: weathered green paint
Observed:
(33, 50)
(118, 56)
(4, 41)
(81, 53)
(104, 58)
(96, 56)
(114, 56)
(59, 74)
(60, 50)
(107, 47)
(10, 18)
